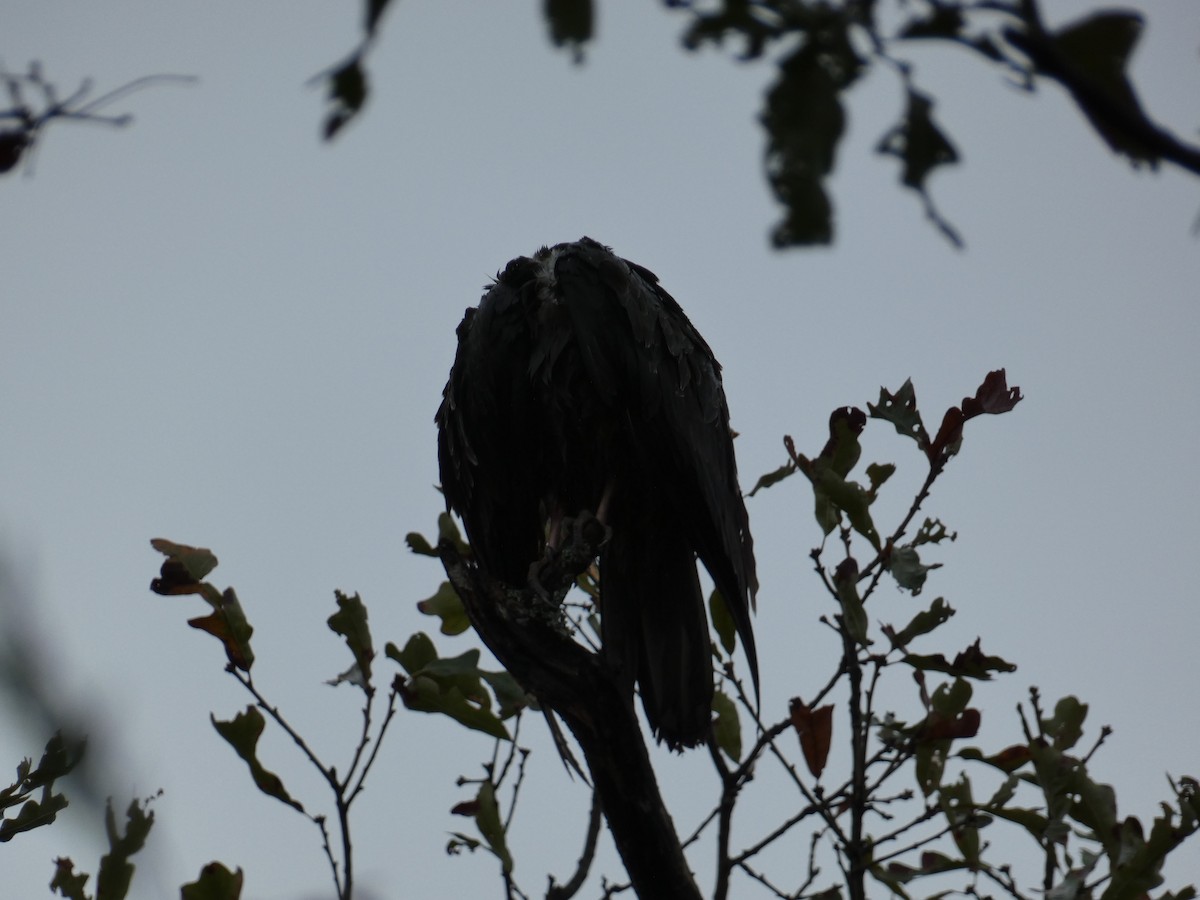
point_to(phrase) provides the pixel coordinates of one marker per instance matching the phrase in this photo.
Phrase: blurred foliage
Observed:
(34, 103)
(819, 50)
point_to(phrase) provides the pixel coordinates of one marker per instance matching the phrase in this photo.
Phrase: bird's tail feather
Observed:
(655, 630)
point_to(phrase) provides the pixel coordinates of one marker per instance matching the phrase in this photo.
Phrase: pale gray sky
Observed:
(219, 330)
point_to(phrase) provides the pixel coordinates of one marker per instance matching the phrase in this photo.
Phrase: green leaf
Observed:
(350, 621)
(242, 733)
(510, 696)
(116, 871)
(951, 699)
(773, 477)
(854, 615)
(447, 606)
(416, 653)
(932, 531)
(930, 764)
(901, 410)
(722, 621)
(183, 570)
(448, 531)
(922, 623)
(1065, 727)
(1030, 819)
(727, 728)
(958, 806)
(848, 497)
(418, 544)
(215, 883)
(878, 474)
(487, 818)
(906, 567)
(451, 686)
(196, 562)
(228, 624)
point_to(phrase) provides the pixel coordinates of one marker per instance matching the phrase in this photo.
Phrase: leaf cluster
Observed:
(821, 49)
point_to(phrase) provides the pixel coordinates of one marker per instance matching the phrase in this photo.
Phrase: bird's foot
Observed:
(552, 576)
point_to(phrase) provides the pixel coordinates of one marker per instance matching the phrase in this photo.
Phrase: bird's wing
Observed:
(661, 370)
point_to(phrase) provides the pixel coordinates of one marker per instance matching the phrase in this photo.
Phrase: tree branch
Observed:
(579, 687)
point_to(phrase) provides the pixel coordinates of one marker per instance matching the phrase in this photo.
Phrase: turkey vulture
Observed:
(580, 385)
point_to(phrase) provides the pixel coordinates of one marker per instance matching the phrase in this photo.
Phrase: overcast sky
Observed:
(216, 329)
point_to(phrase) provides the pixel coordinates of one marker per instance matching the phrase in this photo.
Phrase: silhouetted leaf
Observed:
(773, 478)
(33, 814)
(854, 615)
(570, 24)
(116, 871)
(970, 663)
(350, 621)
(487, 819)
(1065, 727)
(804, 121)
(1007, 760)
(242, 733)
(722, 621)
(727, 728)
(67, 882)
(958, 807)
(993, 396)
(1090, 57)
(418, 544)
(878, 474)
(347, 94)
(842, 450)
(922, 623)
(921, 147)
(215, 883)
(932, 531)
(59, 758)
(814, 727)
(901, 410)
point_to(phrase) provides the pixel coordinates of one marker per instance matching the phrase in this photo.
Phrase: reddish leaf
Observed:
(994, 396)
(815, 729)
(949, 436)
(939, 728)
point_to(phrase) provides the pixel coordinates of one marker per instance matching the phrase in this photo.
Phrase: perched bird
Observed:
(580, 385)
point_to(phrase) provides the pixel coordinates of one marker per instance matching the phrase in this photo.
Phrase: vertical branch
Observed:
(854, 848)
(580, 689)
